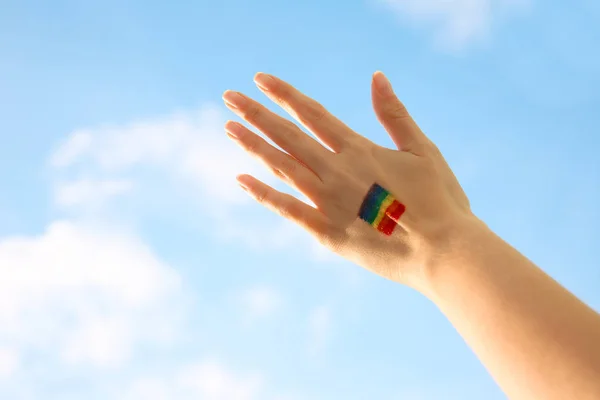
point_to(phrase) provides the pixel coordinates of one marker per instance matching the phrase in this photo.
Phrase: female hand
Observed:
(338, 180)
(513, 315)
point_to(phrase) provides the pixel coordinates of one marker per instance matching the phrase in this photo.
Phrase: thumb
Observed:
(394, 117)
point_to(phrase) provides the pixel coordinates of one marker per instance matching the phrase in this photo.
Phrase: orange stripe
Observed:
(395, 211)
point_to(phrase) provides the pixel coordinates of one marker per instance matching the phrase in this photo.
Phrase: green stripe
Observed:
(376, 205)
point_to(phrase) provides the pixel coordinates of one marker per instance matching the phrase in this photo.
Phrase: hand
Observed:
(337, 179)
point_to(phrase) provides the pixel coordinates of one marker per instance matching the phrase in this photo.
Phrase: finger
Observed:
(394, 117)
(281, 164)
(330, 130)
(287, 206)
(283, 132)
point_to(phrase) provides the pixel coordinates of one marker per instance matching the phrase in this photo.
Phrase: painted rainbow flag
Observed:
(381, 210)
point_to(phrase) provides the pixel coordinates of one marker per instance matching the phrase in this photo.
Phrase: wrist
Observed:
(445, 248)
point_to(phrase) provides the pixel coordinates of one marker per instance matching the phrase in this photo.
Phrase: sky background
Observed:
(132, 266)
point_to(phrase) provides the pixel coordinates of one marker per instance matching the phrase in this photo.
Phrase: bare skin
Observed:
(536, 339)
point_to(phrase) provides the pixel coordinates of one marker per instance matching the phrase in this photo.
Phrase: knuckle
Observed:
(318, 112)
(290, 167)
(429, 166)
(397, 110)
(252, 145)
(426, 147)
(331, 238)
(290, 127)
(336, 175)
(262, 196)
(286, 210)
(356, 142)
(278, 173)
(314, 112)
(434, 148)
(331, 195)
(292, 132)
(252, 114)
(359, 147)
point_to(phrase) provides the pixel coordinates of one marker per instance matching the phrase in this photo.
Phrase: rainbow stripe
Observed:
(381, 210)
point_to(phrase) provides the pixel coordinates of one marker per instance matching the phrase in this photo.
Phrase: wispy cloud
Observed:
(80, 296)
(189, 146)
(455, 23)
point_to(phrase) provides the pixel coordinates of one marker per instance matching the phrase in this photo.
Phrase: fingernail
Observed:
(244, 188)
(265, 81)
(234, 99)
(382, 84)
(234, 129)
(242, 184)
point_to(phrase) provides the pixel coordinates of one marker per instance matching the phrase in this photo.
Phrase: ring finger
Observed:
(284, 166)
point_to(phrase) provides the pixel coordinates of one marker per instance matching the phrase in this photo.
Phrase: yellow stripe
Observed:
(381, 213)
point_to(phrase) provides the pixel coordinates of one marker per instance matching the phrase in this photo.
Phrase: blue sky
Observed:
(134, 268)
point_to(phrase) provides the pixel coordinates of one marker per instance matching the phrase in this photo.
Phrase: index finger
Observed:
(313, 115)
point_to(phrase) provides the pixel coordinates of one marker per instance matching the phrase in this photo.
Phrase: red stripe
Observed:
(395, 210)
(392, 215)
(387, 225)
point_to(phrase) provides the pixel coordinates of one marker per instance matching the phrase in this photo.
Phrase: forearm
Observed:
(537, 339)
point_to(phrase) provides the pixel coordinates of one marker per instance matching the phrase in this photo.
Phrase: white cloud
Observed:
(88, 192)
(189, 146)
(82, 296)
(100, 340)
(86, 295)
(456, 22)
(9, 362)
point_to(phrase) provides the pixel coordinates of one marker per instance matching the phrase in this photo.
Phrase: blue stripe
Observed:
(370, 202)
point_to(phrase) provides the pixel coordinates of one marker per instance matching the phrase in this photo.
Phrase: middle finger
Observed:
(281, 164)
(282, 131)
(310, 113)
